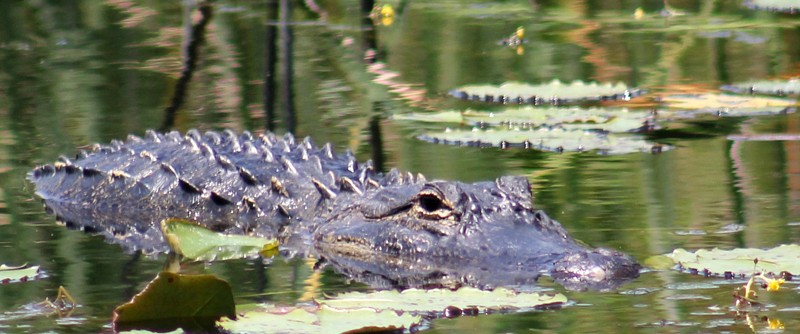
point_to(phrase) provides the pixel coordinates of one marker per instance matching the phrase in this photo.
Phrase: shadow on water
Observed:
(193, 37)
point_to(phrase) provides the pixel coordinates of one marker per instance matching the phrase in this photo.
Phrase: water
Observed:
(75, 73)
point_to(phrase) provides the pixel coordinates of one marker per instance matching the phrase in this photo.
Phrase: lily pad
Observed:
(320, 319)
(726, 105)
(23, 273)
(771, 87)
(384, 310)
(554, 92)
(199, 243)
(554, 139)
(437, 300)
(724, 101)
(785, 6)
(170, 301)
(740, 261)
(612, 120)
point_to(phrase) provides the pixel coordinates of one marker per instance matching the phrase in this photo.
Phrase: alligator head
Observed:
(485, 234)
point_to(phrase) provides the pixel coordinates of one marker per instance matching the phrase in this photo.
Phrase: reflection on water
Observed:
(74, 73)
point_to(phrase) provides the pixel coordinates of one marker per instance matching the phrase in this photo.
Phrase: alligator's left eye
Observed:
(432, 205)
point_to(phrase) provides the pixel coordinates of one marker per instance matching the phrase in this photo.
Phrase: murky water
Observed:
(77, 72)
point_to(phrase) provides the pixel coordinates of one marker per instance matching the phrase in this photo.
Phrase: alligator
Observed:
(394, 228)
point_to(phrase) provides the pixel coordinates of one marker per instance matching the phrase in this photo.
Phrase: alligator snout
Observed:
(598, 269)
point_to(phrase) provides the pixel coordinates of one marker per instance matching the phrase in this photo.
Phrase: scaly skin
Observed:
(393, 229)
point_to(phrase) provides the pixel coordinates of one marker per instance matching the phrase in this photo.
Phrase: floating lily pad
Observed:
(554, 139)
(437, 300)
(740, 261)
(199, 243)
(771, 87)
(554, 92)
(726, 105)
(21, 273)
(384, 310)
(785, 6)
(170, 301)
(320, 319)
(612, 120)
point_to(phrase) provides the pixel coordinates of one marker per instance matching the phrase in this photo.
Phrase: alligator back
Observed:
(237, 184)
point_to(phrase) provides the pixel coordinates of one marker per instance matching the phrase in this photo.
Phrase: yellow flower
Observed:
(387, 15)
(638, 14)
(774, 324)
(774, 284)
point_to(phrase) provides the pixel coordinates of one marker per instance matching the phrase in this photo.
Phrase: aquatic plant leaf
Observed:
(190, 302)
(437, 300)
(724, 101)
(785, 6)
(199, 243)
(321, 319)
(554, 139)
(725, 105)
(383, 310)
(23, 273)
(740, 260)
(612, 120)
(771, 87)
(554, 92)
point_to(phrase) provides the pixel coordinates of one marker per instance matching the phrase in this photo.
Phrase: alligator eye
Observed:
(432, 205)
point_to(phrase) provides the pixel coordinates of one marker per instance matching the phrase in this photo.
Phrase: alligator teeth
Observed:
(352, 165)
(326, 192)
